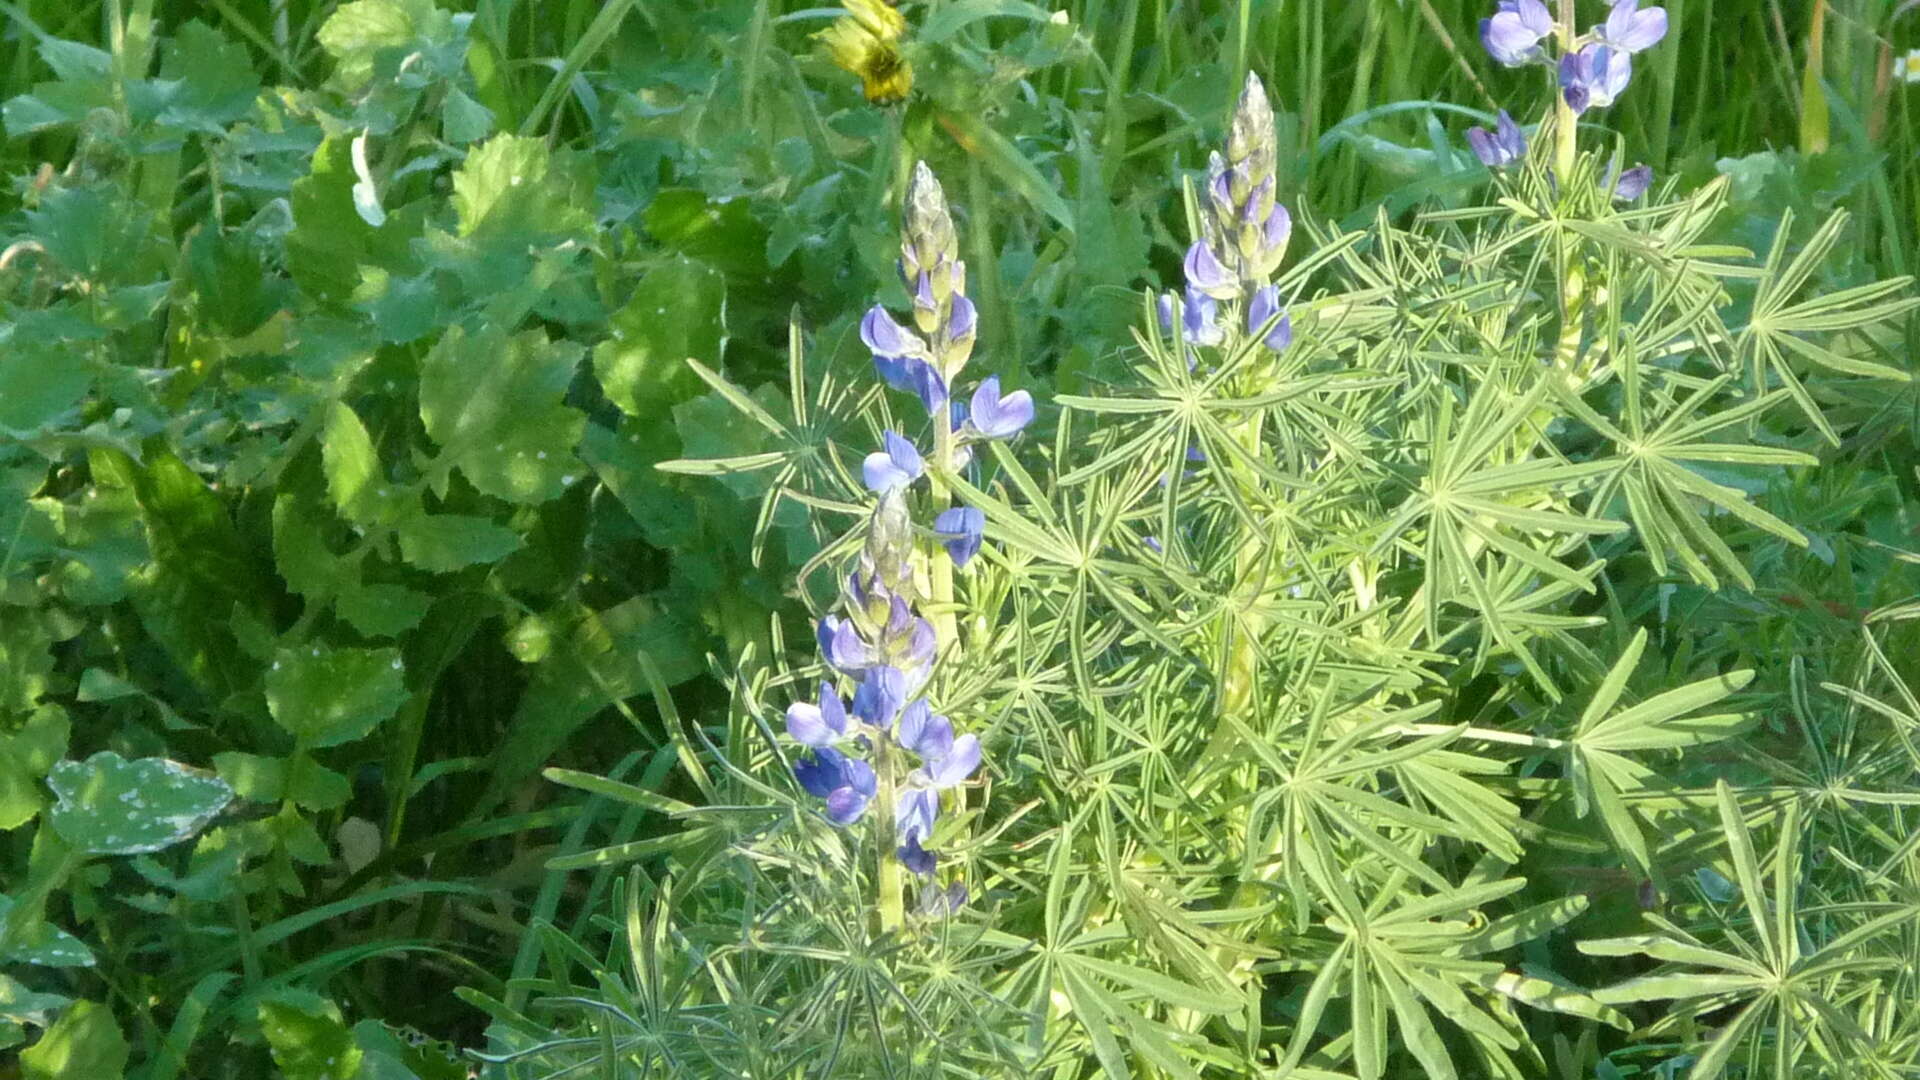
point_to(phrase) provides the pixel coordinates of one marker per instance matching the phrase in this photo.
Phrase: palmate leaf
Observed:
(1791, 1001)
(1662, 491)
(1772, 338)
(1471, 509)
(1597, 763)
(1407, 957)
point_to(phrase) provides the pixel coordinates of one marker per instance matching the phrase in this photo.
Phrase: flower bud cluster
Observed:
(925, 363)
(1244, 232)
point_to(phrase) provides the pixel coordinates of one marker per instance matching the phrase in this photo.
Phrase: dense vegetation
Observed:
(1462, 626)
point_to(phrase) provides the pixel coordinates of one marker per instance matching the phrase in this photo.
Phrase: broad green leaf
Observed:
(84, 1044)
(494, 404)
(326, 696)
(677, 312)
(443, 543)
(309, 1041)
(213, 81)
(331, 245)
(382, 610)
(513, 186)
(357, 33)
(253, 777)
(111, 806)
(355, 477)
(38, 387)
(25, 757)
(41, 943)
(22, 1006)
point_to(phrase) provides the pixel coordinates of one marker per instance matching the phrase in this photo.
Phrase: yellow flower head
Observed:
(866, 41)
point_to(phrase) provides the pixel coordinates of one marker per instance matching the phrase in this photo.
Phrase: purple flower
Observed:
(961, 529)
(818, 725)
(960, 324)
(1593, 77)
(888, 338)
(923, 300)
(841, 644)
(916, 858)
(1262, 308)
(938, 903)
(913, 376)
(1220, 184)
(1278, 228)
(924, 731)
(1633, 183)
(916, 655)
(1630, 31)
(848, 784)
(877, 700)
(895, 467)
(1512, 36)
(997, 417)
(1199, 321)
(1502, 146)
(1206, 273)
(954, 766)
(1163, 307)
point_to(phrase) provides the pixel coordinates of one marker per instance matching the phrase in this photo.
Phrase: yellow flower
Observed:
(1908, 67)
(866, 41)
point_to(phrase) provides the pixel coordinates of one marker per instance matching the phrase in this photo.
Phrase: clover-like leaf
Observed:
(111, 806)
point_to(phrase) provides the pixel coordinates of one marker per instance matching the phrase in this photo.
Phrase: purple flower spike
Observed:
(878, 698)
(961, 529)
(1199, 321)
(888, 338)
(916, 858)
(818, 725)
(1593, 77)
(895, 467)
(1504, 145)
(1206, 273)
(1513, 35)
(997, 417)
(1633, 183)
(1263, 307)
(1630, 30)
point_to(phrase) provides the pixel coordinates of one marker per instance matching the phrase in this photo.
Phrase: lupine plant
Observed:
(1328, 712)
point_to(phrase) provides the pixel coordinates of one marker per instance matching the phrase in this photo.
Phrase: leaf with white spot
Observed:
(111, 806)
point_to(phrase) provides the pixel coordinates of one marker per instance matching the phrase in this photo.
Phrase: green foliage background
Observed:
(362, 526)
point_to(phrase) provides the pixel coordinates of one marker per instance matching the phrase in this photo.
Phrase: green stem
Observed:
(1566, 148)
(890, 884)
